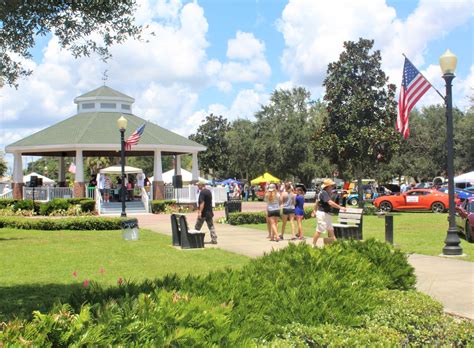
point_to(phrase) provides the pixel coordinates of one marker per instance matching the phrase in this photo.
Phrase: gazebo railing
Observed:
(90, 192)
(7, 194)
(188, 194)
(46, 193)
(98, 200)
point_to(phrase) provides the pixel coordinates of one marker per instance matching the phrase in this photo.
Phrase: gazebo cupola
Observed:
(104, 99)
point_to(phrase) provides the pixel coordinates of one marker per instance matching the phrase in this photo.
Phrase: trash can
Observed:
(175, 230)
(130, 229)
(233, 205)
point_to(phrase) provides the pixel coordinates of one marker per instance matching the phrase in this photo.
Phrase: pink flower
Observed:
(120, 281)
(86, 283)
(102, 270)
(74, 274)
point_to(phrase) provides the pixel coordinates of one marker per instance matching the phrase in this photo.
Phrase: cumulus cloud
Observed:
(314, 32)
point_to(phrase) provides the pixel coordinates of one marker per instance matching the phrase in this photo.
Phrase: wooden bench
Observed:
(349, 225)
(188, 239)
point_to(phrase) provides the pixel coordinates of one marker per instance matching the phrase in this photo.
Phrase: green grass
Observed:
(37, 266)
(422, 233)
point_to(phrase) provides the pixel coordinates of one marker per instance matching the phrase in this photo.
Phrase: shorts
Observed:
(324, 221)
(273, 213)
(288, 211)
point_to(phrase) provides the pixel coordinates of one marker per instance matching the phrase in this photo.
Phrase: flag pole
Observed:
(442, 96)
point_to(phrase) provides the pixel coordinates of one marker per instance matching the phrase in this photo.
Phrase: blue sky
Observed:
(227, 57)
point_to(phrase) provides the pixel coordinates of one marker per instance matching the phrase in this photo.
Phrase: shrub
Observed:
(159, 206)
(79, 224)
(387, 259)
(420, 320)
(370, 210)
(87, 205)
(57, 204)
(247, 218)
(6, 203)
(336, 336)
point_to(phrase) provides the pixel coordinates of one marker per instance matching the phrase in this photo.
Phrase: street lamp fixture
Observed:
(452, 242)
(122, 125)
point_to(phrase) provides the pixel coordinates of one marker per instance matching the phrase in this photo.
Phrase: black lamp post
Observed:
(122, 124)
(452, 242)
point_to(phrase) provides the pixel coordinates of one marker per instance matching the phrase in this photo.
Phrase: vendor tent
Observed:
(46, 181)
(229, 181)
(266, 177)
(117, 170)
(464, 178)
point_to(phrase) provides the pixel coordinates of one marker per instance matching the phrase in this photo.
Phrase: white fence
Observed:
(8, 194)
(46, 193)
(189, 194)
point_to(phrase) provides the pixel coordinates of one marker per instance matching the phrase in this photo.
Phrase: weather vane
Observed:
(105, 76)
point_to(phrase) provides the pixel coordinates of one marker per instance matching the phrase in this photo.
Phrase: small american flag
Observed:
(134, 138)
(414, 86)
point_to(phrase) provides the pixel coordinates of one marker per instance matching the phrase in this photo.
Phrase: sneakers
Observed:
(281, 236)
(213, 241)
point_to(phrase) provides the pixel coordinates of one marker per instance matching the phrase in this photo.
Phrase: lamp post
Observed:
(122, 125)
(452, 243)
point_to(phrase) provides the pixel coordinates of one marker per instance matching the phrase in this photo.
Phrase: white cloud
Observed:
(247, 60)
(314, 32)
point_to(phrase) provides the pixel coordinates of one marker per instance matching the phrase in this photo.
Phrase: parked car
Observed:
(470, 188)
(310, 195)
(460, 193)
(465, 218)
(416, 199)
(424, 185)
(353, 198)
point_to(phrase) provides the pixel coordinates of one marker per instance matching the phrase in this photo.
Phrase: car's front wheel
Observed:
(353, 201)
(438, 207)
(468, 232)
(386, 206)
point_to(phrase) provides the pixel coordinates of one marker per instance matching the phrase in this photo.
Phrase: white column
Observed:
(178, 164)
(157, 168)
(79, 177)
(195, 169)
(17, 168)
(61, 170)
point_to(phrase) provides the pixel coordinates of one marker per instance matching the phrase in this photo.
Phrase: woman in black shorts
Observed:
(272, 198)
(287, 201)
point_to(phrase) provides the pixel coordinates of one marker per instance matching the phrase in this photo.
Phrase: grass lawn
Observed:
(37, 267)
(422, 233)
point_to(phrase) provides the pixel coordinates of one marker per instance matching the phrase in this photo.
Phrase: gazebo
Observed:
(93, 132)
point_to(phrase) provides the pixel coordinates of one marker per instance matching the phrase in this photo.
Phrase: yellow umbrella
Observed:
(266, 177)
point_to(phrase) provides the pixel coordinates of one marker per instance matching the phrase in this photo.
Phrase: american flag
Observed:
(134, 138)
(414, 86)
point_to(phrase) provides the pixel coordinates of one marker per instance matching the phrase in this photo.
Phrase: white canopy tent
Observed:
(46, 181)
(187, 176)
(465, 178)
(117, 170)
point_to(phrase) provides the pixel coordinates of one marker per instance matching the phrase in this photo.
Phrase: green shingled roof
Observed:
(101, 128)
(104, 91)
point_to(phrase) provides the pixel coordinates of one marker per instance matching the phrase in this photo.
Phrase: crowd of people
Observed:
(288, 203)
(110, 189)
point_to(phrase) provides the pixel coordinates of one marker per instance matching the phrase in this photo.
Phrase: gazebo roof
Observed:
(94, 131)
(104, 91)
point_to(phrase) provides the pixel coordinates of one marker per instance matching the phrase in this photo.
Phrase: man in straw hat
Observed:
(322, 209)
(205, 211)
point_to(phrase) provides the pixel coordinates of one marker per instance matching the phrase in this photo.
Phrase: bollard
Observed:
(389, 229)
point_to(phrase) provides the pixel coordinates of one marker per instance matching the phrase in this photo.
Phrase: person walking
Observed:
(272, 198)
(322, 211)
(288, 200)
(205, 211)
(299, 211)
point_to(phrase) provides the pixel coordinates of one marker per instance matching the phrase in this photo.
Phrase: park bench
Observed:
(349, 224)
(183, 236)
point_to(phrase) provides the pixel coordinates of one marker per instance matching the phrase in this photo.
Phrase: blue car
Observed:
(462, 194)
(470, 188)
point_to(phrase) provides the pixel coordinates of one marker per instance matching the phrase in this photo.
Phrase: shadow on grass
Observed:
(8, 239)
(20, 301)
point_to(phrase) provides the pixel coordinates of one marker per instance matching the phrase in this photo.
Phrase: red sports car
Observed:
(465, 218)
(416, 199)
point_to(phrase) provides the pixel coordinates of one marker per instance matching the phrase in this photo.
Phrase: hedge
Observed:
(295, 297)
(159, 206)
(47, 208)
(75, 223)
(257, 218)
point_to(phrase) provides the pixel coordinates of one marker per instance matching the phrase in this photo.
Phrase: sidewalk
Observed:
(450, 281)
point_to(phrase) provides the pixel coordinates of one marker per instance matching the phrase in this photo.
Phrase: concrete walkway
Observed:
(450, 281)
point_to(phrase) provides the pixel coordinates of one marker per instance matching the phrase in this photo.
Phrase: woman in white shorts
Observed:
(322, 210)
